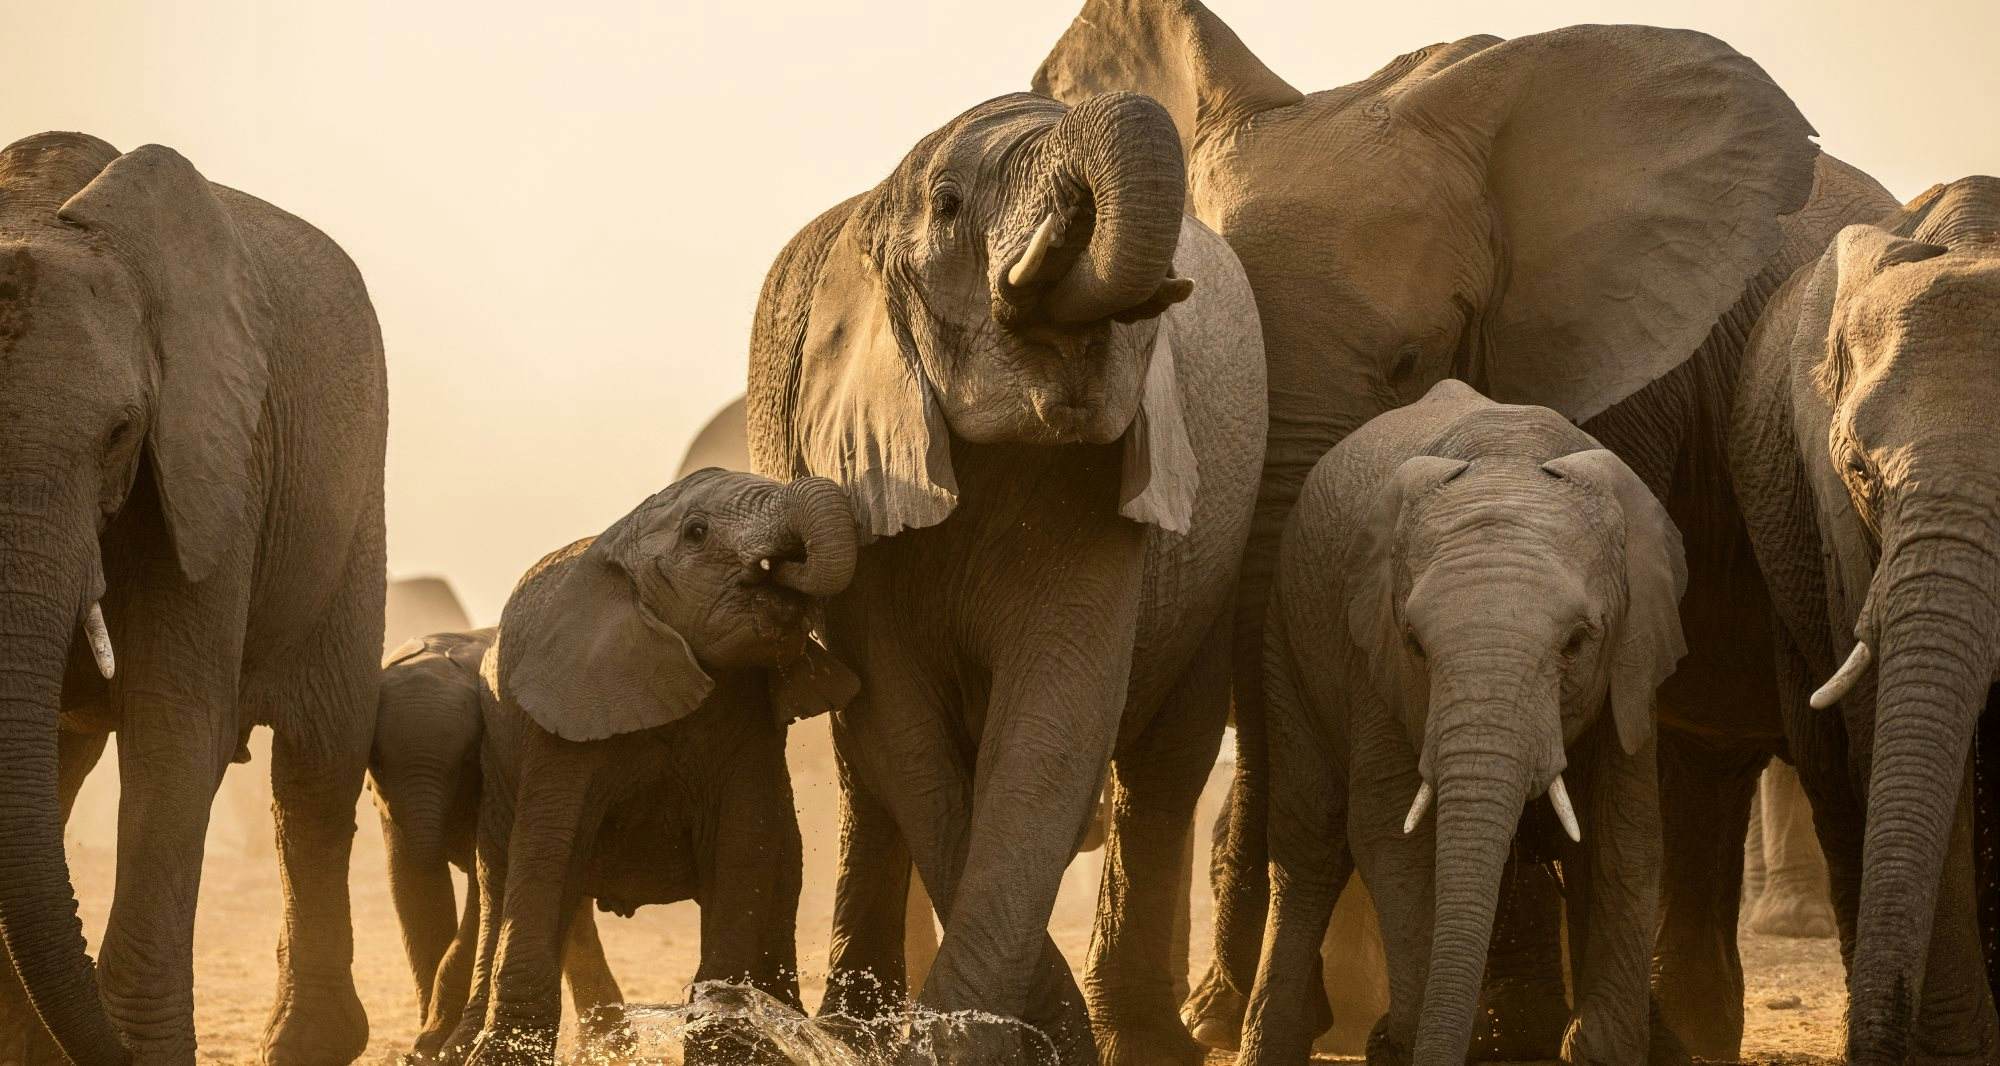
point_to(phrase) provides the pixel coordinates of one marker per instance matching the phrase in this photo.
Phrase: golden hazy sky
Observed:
(564, 210)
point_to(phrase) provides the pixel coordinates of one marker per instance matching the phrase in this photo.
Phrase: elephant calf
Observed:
(425, 768)
(631, 747)
(1463, 590)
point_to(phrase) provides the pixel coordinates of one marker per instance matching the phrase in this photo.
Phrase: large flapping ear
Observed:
(1175, 51)
(1160, 473)
(1371, 573)
(867, 416)
(1636, 176)
(583, 657)
(1649, 642)
(206, 309)
(814, 683)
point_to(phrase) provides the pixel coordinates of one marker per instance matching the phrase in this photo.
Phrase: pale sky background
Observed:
(564, 210)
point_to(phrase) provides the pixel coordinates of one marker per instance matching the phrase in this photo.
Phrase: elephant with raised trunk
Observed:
(1475, 604)
(632, 746)
(1588, 219)
(1043, 388)
(1864, 450)
(191, 544)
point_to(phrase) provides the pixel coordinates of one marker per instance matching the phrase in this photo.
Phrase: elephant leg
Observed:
(1310, 866)
(593, 989)
(421, 889)
(315, 783)
(1794, 901)
(1131, 971)
(1956, 1023)
(452, 986)
(866, 977)
(488, 894)
(556, 811)
(1705, 797)
(172, 752)
(23, 1038)
(319, 759)
(1753, 851)
(1398, 870)
(1526, 1006)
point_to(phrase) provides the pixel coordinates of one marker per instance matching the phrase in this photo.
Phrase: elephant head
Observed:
(714, 574)
(1002, 285)
(1894, 388)
(1508, 587)
(132, 374)
(1558, 219)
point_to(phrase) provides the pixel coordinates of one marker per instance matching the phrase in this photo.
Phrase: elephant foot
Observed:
(324, 1026)
(973, 1039)
(1214, 1013)
(1793, 910)
(1383, 1047)
(1526, 1021)
(1584, 1046)
(1120, 1045)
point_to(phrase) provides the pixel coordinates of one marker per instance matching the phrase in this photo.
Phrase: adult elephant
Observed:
(1053, 450)
(194, 402)
(1587, 219)
(1864, 452)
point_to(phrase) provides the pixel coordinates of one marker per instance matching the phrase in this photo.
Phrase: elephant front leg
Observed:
(1049, 724)
(1134, 965)
(452, 985)
(1613, 907)
(1794, 899)
(593, 988)
(866, 977)
(1705, 797)
(171, 756)
(555, 814)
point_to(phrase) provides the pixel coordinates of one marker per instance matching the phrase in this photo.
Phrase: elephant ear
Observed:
(1648, 642)
(205, 308)
(1371, 577)
(581, 655)
(1160, 473)
(814, 683)
(1636, 176)
(867, 416)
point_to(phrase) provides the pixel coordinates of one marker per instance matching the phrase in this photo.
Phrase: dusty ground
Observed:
(654, 953)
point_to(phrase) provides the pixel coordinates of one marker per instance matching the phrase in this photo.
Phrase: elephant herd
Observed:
(1521, 446)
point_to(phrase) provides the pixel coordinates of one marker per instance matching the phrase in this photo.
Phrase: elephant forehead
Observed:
(1508, 507)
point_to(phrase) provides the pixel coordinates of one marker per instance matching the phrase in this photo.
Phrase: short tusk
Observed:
(100, 641)
(1566, 814)
(764, 564)
(1024, 270)
(1843, 679)
(1417, 808)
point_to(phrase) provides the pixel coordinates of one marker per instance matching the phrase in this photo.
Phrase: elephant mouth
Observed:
(776, 614)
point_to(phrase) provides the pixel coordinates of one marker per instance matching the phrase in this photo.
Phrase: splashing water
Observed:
(731, 1022)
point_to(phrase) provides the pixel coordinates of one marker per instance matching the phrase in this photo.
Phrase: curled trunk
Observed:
(1937, 633)
(817, 512)
(41, 600)
(1480, 793)
(1122, 151)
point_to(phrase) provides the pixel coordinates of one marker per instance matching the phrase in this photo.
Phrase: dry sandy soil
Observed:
(654, 953)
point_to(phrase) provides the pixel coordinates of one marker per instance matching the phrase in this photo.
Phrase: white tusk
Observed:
(1417, 808)
(1030, 263)
(763, 564)
(1566, 814)
(1843, 679)
(100, 641)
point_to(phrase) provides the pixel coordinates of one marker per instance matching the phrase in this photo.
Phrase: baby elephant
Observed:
(632, 742)
(425, 769)
(1475, 603)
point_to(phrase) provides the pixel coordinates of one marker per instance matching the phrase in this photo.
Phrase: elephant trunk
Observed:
(1121, 151)
(1481, 787)
(42, 601)
(817, 512)
(1937, 630)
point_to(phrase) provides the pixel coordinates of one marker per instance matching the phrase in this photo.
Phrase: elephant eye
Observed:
(945, 204)
(695, 533)
(1406, 362)
(1577, 638)
(1857, 465)
(1411, 642)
